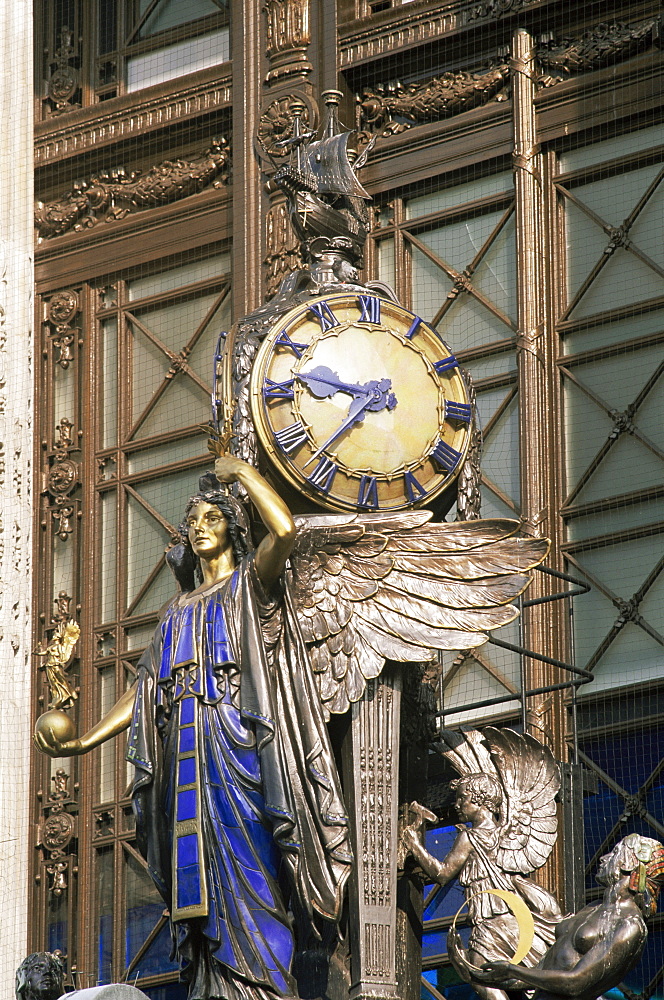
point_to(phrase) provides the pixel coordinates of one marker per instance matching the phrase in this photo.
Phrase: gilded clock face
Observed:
(360, 405)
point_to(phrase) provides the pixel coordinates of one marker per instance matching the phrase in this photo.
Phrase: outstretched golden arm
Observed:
(117, 720)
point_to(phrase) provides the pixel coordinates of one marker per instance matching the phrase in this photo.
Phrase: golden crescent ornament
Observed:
(522, 915)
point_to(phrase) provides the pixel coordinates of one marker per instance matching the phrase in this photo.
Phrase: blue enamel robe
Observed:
(236, 795)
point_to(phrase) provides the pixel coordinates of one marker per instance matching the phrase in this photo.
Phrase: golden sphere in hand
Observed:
(59, 723)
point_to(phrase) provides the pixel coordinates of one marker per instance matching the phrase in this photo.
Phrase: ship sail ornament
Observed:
(328, 205)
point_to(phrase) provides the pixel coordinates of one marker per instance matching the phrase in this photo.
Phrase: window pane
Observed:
(500, 454)
(63, 564)
(174, 451)
(106, 791)
(469, 324)
(638, 325)
(109, 402)
(56, 922)
(183, 404)
(623, 145)
(109, 547)
(64, 382)
(386, 270)
(451, 197)
(176, 60)
(177, 277)
(105, 880)
(144, 908)
(171, 13)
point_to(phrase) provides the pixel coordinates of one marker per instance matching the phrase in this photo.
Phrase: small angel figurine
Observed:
(58, 654)
(506, 792)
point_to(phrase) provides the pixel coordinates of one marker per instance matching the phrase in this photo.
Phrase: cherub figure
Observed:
(506, 793)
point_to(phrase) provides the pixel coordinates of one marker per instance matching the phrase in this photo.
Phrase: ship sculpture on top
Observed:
(327, 203)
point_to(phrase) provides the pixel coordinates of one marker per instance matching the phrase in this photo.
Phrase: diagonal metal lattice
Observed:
(619, 237)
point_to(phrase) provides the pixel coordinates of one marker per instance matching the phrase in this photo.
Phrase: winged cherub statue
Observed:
(506, 792)
(236, 783)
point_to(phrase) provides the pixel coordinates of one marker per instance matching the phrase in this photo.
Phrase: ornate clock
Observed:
(359, 404)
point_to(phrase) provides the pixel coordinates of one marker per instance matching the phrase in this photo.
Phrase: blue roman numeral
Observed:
(290, 438)
(458, 411)
(323, 475)
(324, 315)
(278, 390)
(283, 340)
(367, 495)
(370, 309)
(414, 327)
(447, 457)
(446, 364)
(414, 490)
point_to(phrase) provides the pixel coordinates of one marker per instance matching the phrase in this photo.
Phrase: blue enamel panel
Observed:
(187, 708)
(187, 740)
(189, 885)
(187, 771)
(186, 805)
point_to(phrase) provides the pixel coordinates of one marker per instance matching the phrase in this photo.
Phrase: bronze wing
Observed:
(531, 779)
(371, 587)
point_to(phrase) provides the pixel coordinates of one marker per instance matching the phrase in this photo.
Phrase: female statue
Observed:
(243, 783)
(595, 948)
(237, 800)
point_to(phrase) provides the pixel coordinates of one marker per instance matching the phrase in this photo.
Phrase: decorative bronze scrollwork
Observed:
(61, 311)
(605, 44)
(113, 194)
(64, 80)
(391, 108)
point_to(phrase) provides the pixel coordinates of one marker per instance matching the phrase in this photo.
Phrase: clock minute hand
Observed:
(355, 414)
(378, 397)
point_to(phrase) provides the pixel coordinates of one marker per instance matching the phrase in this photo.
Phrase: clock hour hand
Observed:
(377, 398)
(322, 382)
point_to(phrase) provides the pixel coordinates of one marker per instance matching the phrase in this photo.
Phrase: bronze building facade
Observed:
(518, 192)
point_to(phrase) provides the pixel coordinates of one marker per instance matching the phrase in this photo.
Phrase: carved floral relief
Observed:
(603, 45)
(395, 107)
(113, 194)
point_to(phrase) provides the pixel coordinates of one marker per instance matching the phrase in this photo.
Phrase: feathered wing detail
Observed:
(529, 778)
(371, 587)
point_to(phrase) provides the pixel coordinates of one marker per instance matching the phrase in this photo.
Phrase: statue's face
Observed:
(43, 980)
(464, 805)
(609, 867)
(207, 529)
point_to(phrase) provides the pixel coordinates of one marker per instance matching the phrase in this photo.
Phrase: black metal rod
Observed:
(580, 588)
(543, 659)
(512, 697)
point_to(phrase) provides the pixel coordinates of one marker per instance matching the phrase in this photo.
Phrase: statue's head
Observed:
(642, 858)
(40, 976)
(181, 558)
(482, 789)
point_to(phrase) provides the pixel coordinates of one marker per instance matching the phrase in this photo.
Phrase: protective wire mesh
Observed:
(135, 268)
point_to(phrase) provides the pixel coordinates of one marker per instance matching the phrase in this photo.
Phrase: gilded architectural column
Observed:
(372, 791)
(247, 214)
(539, 431)
(289, 68)
(16, 280)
